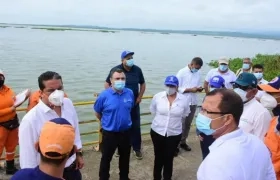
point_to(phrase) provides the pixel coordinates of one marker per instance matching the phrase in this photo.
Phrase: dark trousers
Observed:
(164, 149)
(136, 130)
(111, 141)
(71, 173)
(186, 124)
(204, 145)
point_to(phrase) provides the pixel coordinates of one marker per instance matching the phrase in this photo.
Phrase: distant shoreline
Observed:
(216, 34)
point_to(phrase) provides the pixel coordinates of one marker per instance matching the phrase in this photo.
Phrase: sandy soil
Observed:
(185, 165)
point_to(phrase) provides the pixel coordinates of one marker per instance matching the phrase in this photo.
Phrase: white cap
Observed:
(223, 60)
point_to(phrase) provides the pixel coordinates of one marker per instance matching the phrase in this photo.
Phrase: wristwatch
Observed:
(79, 153)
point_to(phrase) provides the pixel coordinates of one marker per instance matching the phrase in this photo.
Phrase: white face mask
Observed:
(170, 90)
(241, 93)
(56, 98)
(268, 101)
(212, 89)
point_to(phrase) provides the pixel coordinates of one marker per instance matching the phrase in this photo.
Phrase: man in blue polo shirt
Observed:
(113, 107)
(134, 78)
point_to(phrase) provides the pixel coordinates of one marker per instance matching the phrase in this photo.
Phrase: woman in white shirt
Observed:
(169, 108)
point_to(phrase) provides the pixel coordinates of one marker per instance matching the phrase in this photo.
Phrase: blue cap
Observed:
(247, 79)
(217, 82)
(60, 121)
(171, 80)
(125, 53)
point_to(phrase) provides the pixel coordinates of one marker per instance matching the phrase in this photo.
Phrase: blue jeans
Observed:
(135, 129)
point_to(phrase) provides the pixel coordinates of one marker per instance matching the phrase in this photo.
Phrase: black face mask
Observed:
(1, 83)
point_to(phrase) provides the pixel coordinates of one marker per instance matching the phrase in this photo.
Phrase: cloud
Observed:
(168, 14)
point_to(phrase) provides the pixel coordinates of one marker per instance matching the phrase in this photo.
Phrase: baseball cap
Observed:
(246, 79)
(223, 60)
(57, 136)
(217, 82)
(272, 86)
(171, 80)
(125, 53)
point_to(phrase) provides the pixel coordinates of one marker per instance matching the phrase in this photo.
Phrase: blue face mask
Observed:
(246, 66)
(119, 85)
(194, 70)
(258, 75)
(223, 67)
(203, 124)
(130, 63)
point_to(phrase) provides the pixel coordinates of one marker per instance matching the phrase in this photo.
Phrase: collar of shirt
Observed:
(112, 91)
(43, 106)
(226, 73)
(218, 142)
(164, 95)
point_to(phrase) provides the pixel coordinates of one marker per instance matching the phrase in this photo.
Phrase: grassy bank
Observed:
(271, 64)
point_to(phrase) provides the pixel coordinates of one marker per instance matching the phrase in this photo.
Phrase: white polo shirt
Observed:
(188, 79)
(237, 156)
(168, 119)
(30, 128)
(229, 76)
(255, 119)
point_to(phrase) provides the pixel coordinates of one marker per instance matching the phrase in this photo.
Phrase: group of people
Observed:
(234, 123)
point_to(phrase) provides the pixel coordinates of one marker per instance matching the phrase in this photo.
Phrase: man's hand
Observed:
(79, 162)
(138, 100)
(200, 89)
(200, 138)
(194, 90)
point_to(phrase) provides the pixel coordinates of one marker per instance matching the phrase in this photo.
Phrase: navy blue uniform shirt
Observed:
(134, 77)
(32, 174)
(114, 109)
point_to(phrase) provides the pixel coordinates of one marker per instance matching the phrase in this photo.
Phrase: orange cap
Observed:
(57, 138)
(272, 87)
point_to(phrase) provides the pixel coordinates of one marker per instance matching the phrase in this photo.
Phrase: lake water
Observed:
(85, 58)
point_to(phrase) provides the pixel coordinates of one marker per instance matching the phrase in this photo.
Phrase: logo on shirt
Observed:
(126, 100)
(215, 79)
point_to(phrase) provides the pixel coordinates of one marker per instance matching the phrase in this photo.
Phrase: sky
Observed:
(245, 15)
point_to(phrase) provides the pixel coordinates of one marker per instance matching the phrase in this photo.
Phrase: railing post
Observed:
(99, 146)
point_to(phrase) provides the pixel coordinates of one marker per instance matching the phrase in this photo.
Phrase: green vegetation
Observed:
(72, 29)
(271, 64)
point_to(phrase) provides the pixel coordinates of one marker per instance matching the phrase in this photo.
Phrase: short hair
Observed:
(118, 70)
(197, 61)
(231, 103)
(258, 66)
(247, 59)
(49, 75)
(55, 162)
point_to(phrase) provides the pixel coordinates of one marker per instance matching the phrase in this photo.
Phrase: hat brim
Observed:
(223, 62)
(131, 53)
(170, 84)
(268, 88)
(215, 85)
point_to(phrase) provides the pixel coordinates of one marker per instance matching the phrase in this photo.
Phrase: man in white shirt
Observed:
(255, 118)
(258, 72)
(189, 85)
(246, 66)
(234, 155)
(51, 105)
(224, 71)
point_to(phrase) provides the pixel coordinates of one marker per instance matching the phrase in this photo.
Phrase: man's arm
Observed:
(142, 86)
(27, 139)
(107, 83)
(98, 106)
(99, 116)
(206, 86)
(261, 124)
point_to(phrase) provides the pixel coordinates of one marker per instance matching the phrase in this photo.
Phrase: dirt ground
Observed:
(185, 165)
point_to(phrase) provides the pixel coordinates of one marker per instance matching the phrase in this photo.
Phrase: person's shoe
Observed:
(117, 154)
(10, 167)
(176, 152)
(138, 155)
(185, 147)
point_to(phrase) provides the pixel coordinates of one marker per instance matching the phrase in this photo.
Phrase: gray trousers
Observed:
(186, 124)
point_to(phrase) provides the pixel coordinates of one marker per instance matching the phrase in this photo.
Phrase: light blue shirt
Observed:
(114, 109)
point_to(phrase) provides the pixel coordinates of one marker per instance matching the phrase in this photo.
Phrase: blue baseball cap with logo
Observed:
(126, 53)
(217, 82)
(247, 79)
(171, 81)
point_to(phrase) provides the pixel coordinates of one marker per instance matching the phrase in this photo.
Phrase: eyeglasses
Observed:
(204, 111)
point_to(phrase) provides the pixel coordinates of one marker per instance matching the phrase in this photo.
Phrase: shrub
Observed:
(271, 64)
